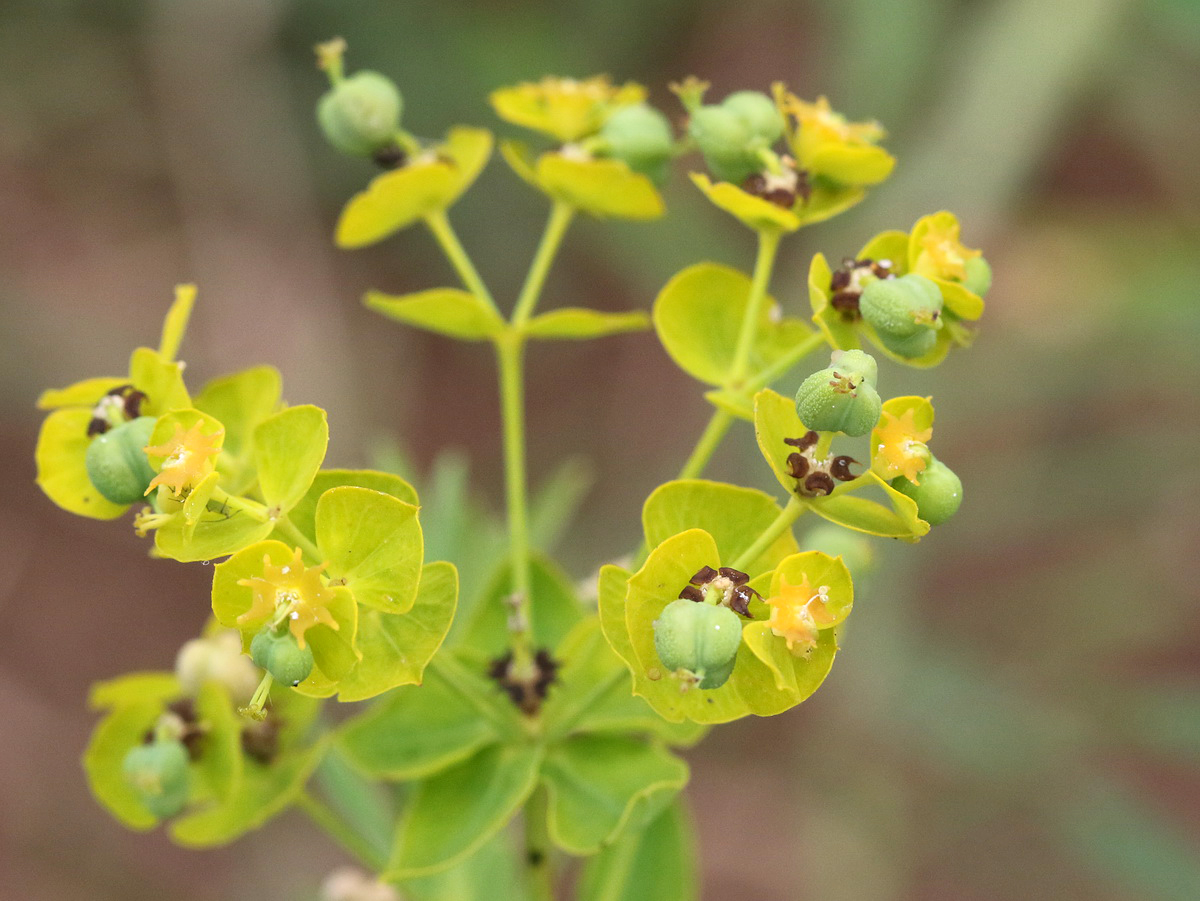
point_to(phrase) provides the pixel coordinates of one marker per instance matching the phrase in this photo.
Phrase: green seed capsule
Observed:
(361, 114)
(727, 142)
(979, 276)
(280, 655)
(116, 461)
(700, 638)
(158, 773)
(938, 496)
(841, 398)
(759, 113)
(901, 307)
(640, 136)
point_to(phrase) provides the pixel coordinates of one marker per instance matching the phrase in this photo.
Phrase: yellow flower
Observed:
(187, 458)
(293, 592)
(940, 253)
(798, 613)
(900, 446)
(565, 108)
(826, 144)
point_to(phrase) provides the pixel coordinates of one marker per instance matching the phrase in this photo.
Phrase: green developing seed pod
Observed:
(360, 114)
(979, 276)
(911, 347)
(700, 638)
(727, 142)
(116, 461)
(759, 113)
(841, 398)
(901, 307)
(280, 655)
(938, 496)
(640, 136)
(158, 773)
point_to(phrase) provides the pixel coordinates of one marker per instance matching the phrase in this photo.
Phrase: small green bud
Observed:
(117, 464)
(759, 113)
(360, 114)
(979, 276)
(280, 655)
(640, 136)
(841, 398)
(727, 142)
(938, 496)
(158, 773)
(700, 638)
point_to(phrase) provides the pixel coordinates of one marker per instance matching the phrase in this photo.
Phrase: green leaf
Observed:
(219, 767)
(418, 730)
(240, 402)
(400, 197)
(754, 212)
(373, 545)
(554, 610)
(175, 323)
(303, 515)
(396, 648)
(160, 379)
(656, 862)
(134, 688)
(288, 450)
(455, 812)
(775, 420)
(838, 332)
(557, 502)
(594, 781)
(264, 791)
(698, 316)
(601, 187)
(81, 394)
(490, 872)
(61, 456)
(577, 323)
(112, 739)
(215, 535)
(446, 311)
(732, 515)
(864, 515)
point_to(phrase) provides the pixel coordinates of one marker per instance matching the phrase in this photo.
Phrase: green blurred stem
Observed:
(561, 215)
(538, 848)
(768, 243)
(457, 255)
(713, 433)
(350, 841)
(784, 364)
(288, 530)
(782, 523)
(359, 801)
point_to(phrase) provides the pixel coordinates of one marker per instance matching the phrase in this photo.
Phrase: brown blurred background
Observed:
(1016, 711)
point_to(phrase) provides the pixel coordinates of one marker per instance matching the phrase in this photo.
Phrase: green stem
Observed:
(288, 529)
(457, 255)
(783, 365)
(707, 445)
(782, 523)
(510, 355)
(561, 215)
(253, 509)
(768, 243)
(350, 841)
(538, 848)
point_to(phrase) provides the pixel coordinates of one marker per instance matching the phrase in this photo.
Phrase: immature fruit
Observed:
(759, 112)
(280, 655)
(979, 276)
(905, 313)
(700, 638)
(727, 142)
(360, 114)
(938, 496)
(116, 461)
(158, 773)
(841, 398)
(640, 136)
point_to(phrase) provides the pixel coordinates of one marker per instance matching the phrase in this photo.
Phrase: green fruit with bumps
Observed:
(938, 495)
(701, 638)
(361, 114)
(759, 112)
(116, 461)
(841, 398)
(280, 654)
(727, 142)
(640, 136)
(158, 774)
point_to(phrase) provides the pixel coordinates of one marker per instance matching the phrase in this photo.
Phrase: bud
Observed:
(904, 312)
(760, 114)
(979, 276)
(640, 136)
(360, 114)
(841, 398)
(700, 638)
(281, 656)
(158, 773)
(218, 658)
(939, 494)
(116, 461)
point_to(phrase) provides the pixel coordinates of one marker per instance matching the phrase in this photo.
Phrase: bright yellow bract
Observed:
(798, 613)
(564, 107)
(900, 446)
(291, 591)
(940, 252)
(187, 458)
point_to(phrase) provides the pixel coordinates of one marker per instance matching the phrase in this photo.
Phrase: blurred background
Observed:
(1016, 710)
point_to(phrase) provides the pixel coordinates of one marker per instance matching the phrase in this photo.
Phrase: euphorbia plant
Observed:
(524, 701)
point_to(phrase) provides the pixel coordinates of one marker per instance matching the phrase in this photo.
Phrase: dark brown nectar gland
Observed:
(528, 691)
(846, 286)
(730, 582)
(121, 404)
(816, 478)
(390, 156)
(781, 190)
(184, 723)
